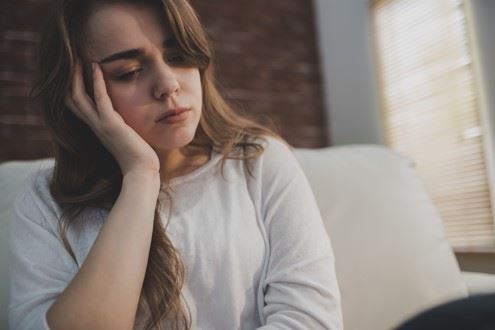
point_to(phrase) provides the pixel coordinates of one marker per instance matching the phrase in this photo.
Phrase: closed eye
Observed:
(129, 75)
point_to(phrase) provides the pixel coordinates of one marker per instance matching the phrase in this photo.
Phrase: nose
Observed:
(166, 83)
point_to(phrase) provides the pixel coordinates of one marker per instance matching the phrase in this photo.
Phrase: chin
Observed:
(174, 142)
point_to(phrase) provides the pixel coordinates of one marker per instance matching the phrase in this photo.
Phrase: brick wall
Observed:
(267, 65)
(22, 134)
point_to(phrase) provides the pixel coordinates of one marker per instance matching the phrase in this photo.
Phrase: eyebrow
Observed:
(135, 53)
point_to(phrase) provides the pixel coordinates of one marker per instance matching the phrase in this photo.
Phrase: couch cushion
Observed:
(12, 175)
(479, 283)
(392, 257)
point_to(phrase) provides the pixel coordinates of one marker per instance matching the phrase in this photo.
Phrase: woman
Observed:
(164, 208)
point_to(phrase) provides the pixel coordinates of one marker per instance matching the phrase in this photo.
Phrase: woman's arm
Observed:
(105, 292)
(300, 287)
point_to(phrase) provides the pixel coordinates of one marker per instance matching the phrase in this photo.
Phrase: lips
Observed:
(172, 112)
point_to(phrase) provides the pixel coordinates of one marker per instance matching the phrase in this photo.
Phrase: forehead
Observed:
(116, 27)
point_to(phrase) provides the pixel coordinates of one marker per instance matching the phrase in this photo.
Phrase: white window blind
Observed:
(432, 110)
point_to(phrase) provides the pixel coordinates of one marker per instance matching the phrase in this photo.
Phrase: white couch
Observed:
(392, 257)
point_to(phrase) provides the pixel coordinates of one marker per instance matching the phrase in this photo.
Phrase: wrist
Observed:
(147, 177)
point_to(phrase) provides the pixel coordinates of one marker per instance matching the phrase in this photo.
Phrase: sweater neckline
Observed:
(214, 157)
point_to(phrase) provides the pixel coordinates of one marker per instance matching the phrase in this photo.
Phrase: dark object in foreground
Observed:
(472, 313)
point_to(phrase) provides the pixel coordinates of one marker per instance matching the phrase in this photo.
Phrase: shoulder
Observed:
(37, 184)
(276, 168)
(275, 146)
(278, 158)
(34, 201)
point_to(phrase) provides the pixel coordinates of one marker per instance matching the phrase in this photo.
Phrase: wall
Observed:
(268, 63)
(22, 133)
(483, 28)
(483, 12)
(353, 113)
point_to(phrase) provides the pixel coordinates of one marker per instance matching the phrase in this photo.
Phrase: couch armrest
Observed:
(479, 283)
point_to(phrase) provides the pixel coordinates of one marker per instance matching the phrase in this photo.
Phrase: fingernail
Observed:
(93, 66)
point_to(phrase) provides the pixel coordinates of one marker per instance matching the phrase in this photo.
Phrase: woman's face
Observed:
(143, 72)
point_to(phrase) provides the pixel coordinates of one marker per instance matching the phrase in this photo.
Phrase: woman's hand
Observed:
(130, 150)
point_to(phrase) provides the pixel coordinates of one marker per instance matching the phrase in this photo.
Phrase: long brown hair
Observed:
(87, 175)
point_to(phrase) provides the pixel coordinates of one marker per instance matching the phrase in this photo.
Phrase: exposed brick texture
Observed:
(267, 65)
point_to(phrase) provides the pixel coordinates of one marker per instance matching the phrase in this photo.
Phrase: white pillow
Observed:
(392, 257)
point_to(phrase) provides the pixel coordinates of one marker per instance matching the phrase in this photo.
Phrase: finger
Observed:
(103, 102)
(72, 107)
(80, 98)
(69, 104)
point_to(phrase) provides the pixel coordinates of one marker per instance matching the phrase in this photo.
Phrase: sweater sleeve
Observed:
(300, 288)
(40, 267)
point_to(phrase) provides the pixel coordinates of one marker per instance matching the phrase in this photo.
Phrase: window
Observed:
(432, 110)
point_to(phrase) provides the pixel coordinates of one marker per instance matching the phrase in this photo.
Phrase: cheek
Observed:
(194, 83)
(120, 96)
(199, 91)
(125, 102)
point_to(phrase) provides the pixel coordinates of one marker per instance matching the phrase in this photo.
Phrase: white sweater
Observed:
(256, 251)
